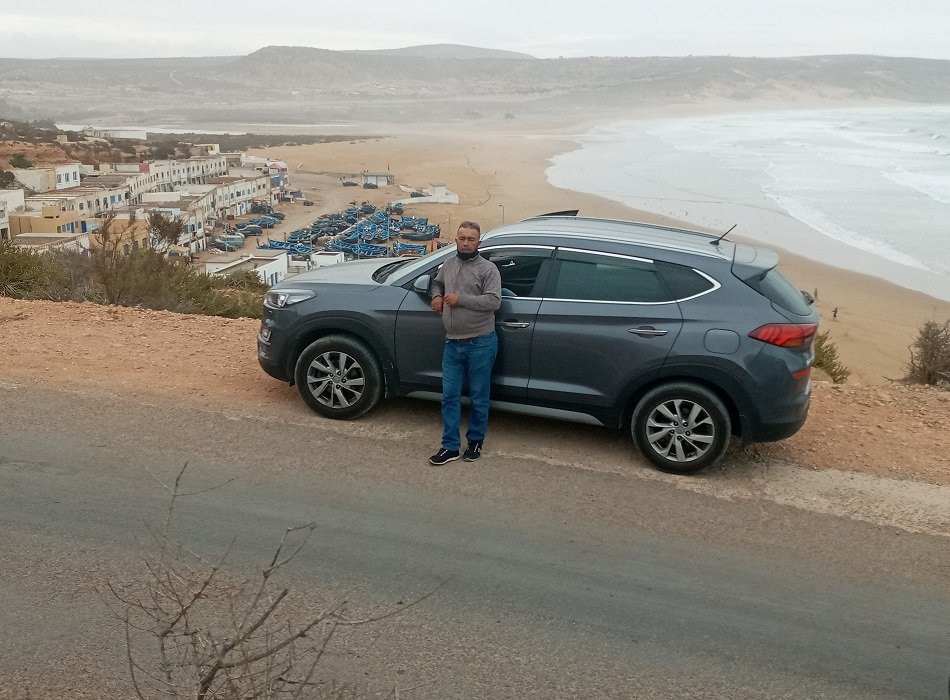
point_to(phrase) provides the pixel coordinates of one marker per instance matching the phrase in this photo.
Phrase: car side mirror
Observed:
(422, 284)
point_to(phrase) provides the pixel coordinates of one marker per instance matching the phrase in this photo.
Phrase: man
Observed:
(467, 292)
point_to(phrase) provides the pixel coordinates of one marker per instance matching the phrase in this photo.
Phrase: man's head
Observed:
(468, 237)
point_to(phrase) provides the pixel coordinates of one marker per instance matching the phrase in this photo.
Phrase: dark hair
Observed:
(472, 225)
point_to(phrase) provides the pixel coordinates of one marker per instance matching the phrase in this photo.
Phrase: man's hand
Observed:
(436, 304)
(451, 299)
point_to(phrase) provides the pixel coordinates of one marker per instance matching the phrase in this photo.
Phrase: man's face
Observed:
(467, 240)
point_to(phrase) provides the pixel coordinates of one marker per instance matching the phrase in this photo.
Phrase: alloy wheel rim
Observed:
(680, 430)
(336, 380)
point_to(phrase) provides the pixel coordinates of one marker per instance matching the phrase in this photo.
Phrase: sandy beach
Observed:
(498, 171)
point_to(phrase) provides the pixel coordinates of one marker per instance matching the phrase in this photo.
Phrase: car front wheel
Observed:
(681, 428)
(339, 377)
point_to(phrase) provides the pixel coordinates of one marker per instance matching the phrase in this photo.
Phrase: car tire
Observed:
(339, 377)
(681, 428)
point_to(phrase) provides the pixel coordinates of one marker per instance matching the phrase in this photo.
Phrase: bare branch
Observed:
(397, 611)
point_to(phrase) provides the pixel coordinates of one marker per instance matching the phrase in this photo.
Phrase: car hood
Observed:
(352, 272)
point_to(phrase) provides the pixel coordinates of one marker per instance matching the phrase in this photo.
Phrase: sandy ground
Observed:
(498, 172)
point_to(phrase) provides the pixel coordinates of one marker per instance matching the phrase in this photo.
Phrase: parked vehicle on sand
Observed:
(682, 338)
(232, 240)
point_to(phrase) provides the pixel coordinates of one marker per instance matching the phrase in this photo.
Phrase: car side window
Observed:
(684, 282)
(604, 277)
(520, 268)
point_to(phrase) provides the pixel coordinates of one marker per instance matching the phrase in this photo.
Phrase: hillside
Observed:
(437, 83)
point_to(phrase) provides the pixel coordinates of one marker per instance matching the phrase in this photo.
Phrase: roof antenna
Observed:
(716, 242)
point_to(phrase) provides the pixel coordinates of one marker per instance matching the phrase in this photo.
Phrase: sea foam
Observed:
(876, 180)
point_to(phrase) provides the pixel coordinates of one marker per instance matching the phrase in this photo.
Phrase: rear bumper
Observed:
(759, 431)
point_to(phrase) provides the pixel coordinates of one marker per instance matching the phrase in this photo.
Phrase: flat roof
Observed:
(224, 180)
(37, 240)
(118, 178)
(76, 191)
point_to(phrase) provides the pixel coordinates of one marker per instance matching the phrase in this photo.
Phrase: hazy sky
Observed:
(548, 29)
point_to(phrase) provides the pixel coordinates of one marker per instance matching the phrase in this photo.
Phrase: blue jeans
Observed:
(470, 360)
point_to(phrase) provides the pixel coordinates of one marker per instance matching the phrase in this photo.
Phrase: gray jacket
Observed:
(478, 285)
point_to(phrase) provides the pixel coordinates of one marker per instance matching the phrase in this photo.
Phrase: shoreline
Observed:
(676, 182)
(499, 171)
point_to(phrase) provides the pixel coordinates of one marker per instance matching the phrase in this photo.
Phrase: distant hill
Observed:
(446, 51)
(437, 83)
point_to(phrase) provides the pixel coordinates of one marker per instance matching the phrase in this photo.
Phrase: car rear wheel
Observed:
(339, 377)
(681, 428)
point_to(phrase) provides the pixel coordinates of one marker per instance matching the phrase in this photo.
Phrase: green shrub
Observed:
(826, 359)
(20, 161)
(144, 278)
(25, 274)
(930, 355)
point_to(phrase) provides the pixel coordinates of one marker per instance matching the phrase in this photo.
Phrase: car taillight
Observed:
(785, 335)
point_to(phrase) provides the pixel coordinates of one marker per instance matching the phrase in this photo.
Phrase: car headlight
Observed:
(279, 298)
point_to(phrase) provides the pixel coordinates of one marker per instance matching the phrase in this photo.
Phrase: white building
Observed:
(435, 193)
(235, 195)
(49, 177)
(378, 179)
(270, 265)
(195, 211)
(86, 201)
(10, 201)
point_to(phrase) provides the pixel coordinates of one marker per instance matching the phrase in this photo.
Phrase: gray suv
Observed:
(681, 337)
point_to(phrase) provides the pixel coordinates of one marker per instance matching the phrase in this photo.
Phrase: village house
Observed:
(128, 231)
(131, 179)
(46, 219)
(195, 211)
(47, 178)
(270, 265)
(50, 229)
(86, 201)
(378, 179)
(234, 195)
(10, 201)
(198, 170)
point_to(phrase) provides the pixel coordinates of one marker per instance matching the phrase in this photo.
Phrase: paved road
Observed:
(564, 583)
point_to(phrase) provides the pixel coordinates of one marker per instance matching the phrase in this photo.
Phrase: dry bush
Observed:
(199, 629)
(930, 355)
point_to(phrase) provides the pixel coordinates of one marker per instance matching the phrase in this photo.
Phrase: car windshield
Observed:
(414, 263)
(383, 273)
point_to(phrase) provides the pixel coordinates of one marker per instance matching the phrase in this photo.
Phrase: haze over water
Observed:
(864, 189)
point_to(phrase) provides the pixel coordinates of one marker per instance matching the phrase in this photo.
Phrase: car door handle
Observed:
(646, 330)
(515, 324)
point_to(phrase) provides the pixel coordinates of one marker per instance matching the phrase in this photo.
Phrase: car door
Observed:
(605, 322)
(420, 336)
(523, 270)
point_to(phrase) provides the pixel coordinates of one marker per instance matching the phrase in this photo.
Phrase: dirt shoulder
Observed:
(894, 431)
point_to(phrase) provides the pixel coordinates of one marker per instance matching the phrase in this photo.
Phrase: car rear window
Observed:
(775, 287)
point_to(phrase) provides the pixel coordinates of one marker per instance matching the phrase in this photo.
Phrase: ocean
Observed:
(866, 189)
